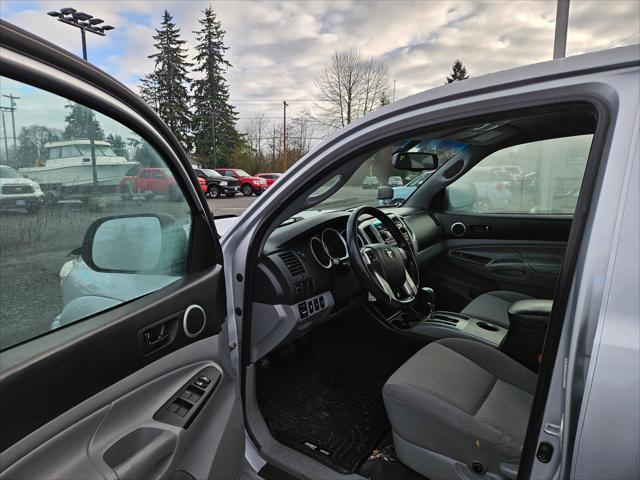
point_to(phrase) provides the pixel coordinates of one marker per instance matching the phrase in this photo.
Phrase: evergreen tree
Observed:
(118, 145)
(167, 88)
(81, 122)
(212, 110)
(459, 72)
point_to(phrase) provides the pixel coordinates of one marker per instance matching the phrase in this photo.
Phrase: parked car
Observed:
(370, 182)
(218, 184)
(395, 181)
(18, 192)
(203, 185)
(269, 177)
(492, 186)
(322, 337)
(400, 194)
(249, 184)
(150, 183)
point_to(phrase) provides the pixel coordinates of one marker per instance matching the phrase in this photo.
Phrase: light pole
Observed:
(84, 22)
(562, 22)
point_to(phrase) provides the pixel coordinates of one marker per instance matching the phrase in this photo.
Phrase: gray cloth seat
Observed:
(455, 402)
(493, 307)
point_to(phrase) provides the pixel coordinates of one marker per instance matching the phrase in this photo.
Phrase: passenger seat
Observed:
(493, 307)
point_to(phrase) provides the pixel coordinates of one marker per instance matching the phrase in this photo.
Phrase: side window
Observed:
(144, 174)
(54, 152)
(541, 177)
(52, 200)
(157, 174)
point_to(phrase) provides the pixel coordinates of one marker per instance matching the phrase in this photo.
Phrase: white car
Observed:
(18, 192)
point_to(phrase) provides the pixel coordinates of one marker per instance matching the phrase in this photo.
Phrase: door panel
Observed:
(496, 252)
(81, 393)
(114, 432)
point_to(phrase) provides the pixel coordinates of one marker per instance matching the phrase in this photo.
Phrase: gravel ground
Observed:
(33, 248)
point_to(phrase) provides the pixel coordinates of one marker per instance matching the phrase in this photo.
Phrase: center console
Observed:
(448, 325)
(523, 340)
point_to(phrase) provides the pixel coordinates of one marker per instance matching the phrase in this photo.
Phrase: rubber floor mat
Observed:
(326, 401)
(338, 423)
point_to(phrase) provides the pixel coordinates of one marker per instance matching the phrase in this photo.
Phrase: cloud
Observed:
(278, 48)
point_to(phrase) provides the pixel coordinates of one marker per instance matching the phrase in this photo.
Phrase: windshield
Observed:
(8, 172)
(378, 171)
(210, 173)
(101, 150)
(419, 180)
(242, 173)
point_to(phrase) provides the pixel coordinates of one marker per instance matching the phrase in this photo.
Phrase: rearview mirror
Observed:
(144, 243)
(415, 161)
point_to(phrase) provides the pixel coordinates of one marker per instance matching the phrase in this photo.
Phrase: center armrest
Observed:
(532, 313)
(528, 321)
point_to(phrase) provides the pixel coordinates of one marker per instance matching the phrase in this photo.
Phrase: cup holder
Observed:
(487, 326)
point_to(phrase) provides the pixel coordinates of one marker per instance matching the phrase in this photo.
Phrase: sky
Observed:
(278, 48)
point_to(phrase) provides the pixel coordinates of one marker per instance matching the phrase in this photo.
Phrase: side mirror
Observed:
(385, 193)
(461, 195)
(415, 161)
(142, 243)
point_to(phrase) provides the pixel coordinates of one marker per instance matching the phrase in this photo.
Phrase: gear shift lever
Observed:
(428, 300)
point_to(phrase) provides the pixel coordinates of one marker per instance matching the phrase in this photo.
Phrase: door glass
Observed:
(534, 178)
(60, 180)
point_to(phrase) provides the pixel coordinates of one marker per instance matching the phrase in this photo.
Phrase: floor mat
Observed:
(337, 423)
(325, 400)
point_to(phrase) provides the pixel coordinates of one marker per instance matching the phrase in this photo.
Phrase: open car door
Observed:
(115, 358)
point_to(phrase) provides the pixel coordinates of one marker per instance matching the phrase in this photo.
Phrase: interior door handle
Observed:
(139, 451)
(508, 268)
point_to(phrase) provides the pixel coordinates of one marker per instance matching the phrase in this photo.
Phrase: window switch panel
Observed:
(182, 408)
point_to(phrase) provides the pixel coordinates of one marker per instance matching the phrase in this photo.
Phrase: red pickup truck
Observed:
(248, 183)
(151, 182)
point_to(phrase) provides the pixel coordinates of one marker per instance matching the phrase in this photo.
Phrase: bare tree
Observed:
(350, 86)
(256, 132)
(300, 134)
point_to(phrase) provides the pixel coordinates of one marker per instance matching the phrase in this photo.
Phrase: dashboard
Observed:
(304, 276)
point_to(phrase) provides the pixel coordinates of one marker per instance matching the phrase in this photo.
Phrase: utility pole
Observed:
(562, 23)
(4, 128)
(273, 148)
(213, 138)
(11, 108)
(284, 132)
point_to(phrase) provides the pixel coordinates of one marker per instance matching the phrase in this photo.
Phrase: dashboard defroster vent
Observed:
(292, 263)
(435, 219)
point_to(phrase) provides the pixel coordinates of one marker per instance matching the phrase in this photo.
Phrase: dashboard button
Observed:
(321, 302)
(316, 304)
(310, 306)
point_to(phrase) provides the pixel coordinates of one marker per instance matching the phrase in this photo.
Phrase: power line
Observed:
(271, 100)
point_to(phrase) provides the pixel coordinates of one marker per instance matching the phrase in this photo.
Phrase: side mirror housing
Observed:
(415, 161)
(461, 195)
(140, 243)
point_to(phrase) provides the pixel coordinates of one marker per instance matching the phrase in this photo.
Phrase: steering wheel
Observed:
(389, 272)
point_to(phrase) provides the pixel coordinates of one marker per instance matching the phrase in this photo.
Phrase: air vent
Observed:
(435, 219)
(292, 263)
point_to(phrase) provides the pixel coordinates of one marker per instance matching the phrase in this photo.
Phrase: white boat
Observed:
(68, 164)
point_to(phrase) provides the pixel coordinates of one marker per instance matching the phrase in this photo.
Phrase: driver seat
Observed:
(459, 406)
